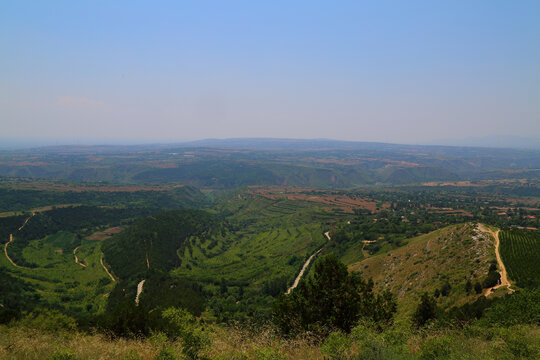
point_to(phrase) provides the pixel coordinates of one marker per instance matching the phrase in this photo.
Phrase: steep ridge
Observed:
(439, 262)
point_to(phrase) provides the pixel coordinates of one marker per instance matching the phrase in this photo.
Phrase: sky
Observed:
(391, 71)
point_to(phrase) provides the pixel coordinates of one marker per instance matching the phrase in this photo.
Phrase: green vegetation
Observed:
(439, 263)
(520, 252)
(25, 200)
(332, 299)
(216, 266)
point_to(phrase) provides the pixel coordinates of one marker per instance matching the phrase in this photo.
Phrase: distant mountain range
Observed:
(498, 141)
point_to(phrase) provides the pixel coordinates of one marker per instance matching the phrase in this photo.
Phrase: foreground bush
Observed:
(365, 341)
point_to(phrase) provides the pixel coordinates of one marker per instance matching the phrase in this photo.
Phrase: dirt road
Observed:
(26, 221)
(306, 264)
(107, 270)
(139, 291)
(5, 251)
(504, 275)
(76, 258)
(11, 240)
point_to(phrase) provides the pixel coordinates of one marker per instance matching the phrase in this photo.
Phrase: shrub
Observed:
(183, 325)
(63, 354)
(477, 287)
(48, 320)
(437, 348)
(337, 346)
(522, 307)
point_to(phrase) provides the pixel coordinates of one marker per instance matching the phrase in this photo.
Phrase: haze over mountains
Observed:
(496, 141)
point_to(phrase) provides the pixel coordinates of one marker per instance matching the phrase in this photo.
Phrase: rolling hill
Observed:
(441, 261)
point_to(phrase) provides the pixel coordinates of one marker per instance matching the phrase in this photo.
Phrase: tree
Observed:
(426, 310)
(445, 289)
(477, 287)
(332, 299)
(468, 286)
(493, 277)
(223, 286)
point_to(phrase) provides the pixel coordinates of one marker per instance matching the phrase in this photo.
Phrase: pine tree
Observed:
(427, 310)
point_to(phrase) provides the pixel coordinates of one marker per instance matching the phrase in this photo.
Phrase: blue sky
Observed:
(397, 71)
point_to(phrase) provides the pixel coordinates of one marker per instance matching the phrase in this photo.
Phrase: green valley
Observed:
(147, 265)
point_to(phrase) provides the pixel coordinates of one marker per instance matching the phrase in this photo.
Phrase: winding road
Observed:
(107, 270)
(5, 251)
(76, 258)
(11, 240)
(306, 264)
(504, 275)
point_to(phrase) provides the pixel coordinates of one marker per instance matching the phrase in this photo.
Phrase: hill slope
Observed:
(153, 242)
(452, 256)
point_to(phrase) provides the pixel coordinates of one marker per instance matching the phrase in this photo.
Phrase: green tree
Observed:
(468, 286)
(332, 299)
(426, 310)
(477, 287)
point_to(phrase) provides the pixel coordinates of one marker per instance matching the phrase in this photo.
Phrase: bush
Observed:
(477, 287)
(63, 354)
(522, 307)
(520, 343)
(437, 348)
(337, 346)
(48, 320)
(183, 325)
(267, 353)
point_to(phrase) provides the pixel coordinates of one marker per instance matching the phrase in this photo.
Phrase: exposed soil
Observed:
(102, 235)
(504, 275)
(107, 270)
(11, 240)
(139, 291)
(306, 264)
(326, 198)
(77, 259)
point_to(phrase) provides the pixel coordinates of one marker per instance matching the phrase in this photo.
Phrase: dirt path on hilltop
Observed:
(306, 264)
(504, 275)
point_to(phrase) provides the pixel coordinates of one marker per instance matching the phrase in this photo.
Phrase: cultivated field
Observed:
(520, 252)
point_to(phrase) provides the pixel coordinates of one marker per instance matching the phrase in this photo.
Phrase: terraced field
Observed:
(254, 258)
(520, 252)
(58, 279)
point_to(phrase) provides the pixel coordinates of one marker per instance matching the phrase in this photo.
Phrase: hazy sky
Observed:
(397, 71)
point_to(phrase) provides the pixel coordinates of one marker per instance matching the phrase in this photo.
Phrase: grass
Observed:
(274, 240)
(471, 342)
(59, 279)
(254, 257)
(453, 254)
